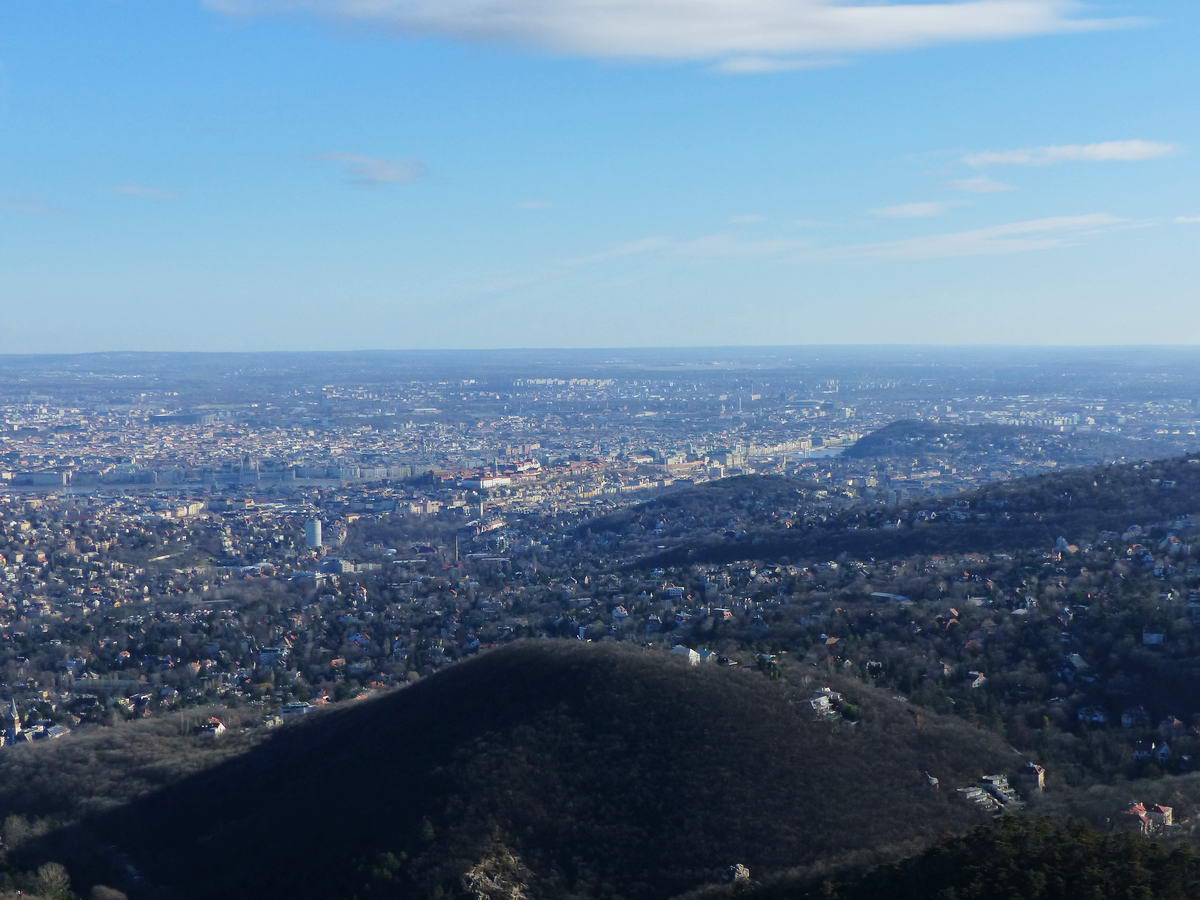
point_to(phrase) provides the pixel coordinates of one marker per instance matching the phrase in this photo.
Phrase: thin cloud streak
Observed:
(911, 210)
(143, 191)
(706, 247)
(981, 185)
(24, 204)
(1106, 151)
(766, 65)
(1015, 237)
(375, 171)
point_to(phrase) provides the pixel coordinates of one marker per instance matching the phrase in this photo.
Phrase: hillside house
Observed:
(998, 787)
(1032, 778)
(824, 702)
(1149, 820)
(687, 653)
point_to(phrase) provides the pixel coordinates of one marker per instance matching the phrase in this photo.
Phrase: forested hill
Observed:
(1078, 504)
(1029, 859)
(709, 505)
(560, 769)
(916, 438)
(911, 437)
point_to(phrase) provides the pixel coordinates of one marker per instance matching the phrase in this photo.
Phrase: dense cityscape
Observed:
(293, 531)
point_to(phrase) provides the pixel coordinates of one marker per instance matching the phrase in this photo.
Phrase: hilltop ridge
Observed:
(573, 769)
(919, 437)
(1015, 514)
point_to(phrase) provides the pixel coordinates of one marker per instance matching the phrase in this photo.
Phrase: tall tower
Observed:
(312, 534)
(12, 733)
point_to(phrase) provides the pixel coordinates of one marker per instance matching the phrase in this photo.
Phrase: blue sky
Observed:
(341, 174)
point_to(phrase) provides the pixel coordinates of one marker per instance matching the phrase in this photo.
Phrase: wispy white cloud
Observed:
(924, 210)
(743, 35)
(1187, 220)
(143, 191)
(1106, 151)
(1015, 237)
(702, 249)
(373, 171)
(711, 246)
(980, 185)
(25, 204)
(765, 65)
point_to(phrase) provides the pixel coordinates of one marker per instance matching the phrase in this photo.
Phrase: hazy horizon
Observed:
(597, 348)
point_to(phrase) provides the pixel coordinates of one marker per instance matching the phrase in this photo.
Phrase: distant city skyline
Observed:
(250, 175)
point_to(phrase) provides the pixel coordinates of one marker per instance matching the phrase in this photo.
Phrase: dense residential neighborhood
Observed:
(198, 566)
(169, 546)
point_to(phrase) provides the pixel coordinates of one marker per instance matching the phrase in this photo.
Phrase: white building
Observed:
(312, 534)
(692, 656)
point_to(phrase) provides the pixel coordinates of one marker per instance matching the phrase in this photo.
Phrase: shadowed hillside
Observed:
(912, 438)
(1018, 514)
(1020, 858)
(575, 770)
(708, 504)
